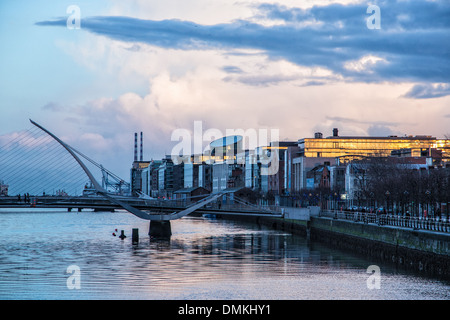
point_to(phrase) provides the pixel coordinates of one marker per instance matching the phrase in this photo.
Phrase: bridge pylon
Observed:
(160, 229)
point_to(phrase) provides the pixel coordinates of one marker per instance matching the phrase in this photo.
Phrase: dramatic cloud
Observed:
(427, 91)
(158, 66)
(412, 44)
(379, 131)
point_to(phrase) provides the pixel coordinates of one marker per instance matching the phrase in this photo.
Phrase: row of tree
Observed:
(402, 188)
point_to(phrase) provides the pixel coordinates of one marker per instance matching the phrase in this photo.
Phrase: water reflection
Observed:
(204, 259)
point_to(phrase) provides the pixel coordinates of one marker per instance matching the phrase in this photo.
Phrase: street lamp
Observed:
(335, 200)
(406, 193)
(372, 202)
(428, 192)
(387, 200)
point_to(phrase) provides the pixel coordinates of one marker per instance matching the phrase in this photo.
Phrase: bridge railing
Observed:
(99, 201)
(416, 223)
(244, 208)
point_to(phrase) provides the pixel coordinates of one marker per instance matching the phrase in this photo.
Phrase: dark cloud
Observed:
(427, 91)
(379, 131)
(358, 121)
(413, 39)
(261, 80)
(313, 83)
(51, 106)
(232, 69)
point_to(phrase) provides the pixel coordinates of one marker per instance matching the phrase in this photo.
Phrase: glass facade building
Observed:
(336, 150)
(354, 147)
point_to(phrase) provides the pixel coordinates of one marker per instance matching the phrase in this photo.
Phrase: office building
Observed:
(280, 181)
(338, 150)
(228, 163)
(3, 188)
(351, 147)
(165, 178)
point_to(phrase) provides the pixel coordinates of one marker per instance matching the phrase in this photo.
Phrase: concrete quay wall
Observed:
(416, 250)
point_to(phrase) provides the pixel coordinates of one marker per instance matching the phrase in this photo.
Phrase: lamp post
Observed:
(406, 193)
(335, 200)
(372, 202)
(387, 200)
(428, 192)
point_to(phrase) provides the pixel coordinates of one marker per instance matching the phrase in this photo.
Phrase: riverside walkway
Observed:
(416, 223)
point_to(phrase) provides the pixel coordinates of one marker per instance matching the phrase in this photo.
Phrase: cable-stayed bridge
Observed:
(38, 169)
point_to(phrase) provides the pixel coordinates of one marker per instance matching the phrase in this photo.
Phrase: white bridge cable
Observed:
(34, 163)
(118, 179)
(251, 205)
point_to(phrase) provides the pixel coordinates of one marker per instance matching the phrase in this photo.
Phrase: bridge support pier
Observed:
(160, 229)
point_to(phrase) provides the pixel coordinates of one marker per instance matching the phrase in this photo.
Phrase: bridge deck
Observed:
(153, 207)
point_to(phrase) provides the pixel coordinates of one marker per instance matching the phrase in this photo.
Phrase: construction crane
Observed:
(110, 181)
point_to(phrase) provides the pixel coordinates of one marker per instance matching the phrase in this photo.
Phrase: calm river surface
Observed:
(204, 259)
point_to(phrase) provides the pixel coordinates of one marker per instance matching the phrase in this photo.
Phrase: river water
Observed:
(61, 255)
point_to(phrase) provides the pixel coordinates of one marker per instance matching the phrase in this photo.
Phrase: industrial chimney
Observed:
(142, 153)
(135, 146)
(335, 132)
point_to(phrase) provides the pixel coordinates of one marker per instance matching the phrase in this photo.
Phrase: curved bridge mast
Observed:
(161, 222)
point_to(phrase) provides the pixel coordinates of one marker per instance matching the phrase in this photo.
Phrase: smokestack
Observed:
(335, 132)
(142, 154)
(135, 147)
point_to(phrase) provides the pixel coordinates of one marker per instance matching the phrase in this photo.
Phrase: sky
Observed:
(295, 66)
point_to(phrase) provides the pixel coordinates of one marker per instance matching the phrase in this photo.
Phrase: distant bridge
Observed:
(158, 212)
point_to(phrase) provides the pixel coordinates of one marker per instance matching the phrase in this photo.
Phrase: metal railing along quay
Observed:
(415, 223)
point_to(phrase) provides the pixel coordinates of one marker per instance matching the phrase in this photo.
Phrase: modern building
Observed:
(302, 165)
(136, 176)
(280, 181)
(337, 150)
(178, 176)
(3, 188)
(226, 149)
(165, 178)
(252, 170)
(205, 176)
(228, 163)
(150, 178)
(191, 175)
(226, 175)
(351, 147)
